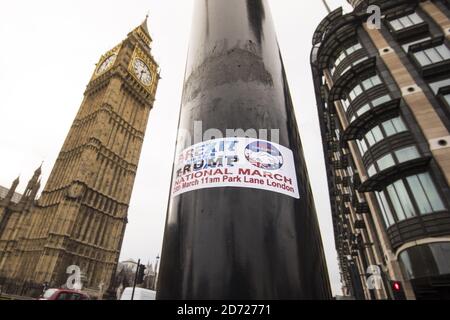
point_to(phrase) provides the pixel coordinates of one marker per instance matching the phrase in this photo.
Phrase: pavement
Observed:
(4, 296)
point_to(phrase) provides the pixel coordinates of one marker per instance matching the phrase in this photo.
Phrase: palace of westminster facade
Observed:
(81, 215)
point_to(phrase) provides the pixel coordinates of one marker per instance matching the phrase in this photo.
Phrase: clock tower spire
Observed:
(81, 216)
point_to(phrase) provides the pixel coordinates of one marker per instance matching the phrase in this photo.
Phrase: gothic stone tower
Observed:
(81, 216)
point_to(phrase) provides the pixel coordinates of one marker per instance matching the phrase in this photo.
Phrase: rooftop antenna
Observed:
(326, 6)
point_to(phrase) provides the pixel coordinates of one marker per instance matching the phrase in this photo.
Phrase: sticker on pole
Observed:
(236, 162)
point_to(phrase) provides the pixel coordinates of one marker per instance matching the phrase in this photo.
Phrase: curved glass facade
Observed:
(362, 87)
(409, 197)
(424, 261)
(384, 107)
(391, 159)
(379, 133)
(371, 105)
(343, 55)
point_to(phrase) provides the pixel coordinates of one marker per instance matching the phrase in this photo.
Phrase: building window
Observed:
(397, 157)
(409, 44)
(447, 98)
(371, 82)
(376, 134)
(364, 86)
(362, 146)
(432, 55)
(409, 197)
(385, 162)
(350, 171)
(441, 254)
(394, 126)
(435, 86)
(355, 92)
(441, 89)
(344, 54)
(406, 154)
(374, 103)
(385, 209)
(406, 21)
(363, 110)
(353, 48)
(371, 171)
(358, 90)
(427, 260)
(425, 193)
(401, 201)
(345, 104)
(354, 64)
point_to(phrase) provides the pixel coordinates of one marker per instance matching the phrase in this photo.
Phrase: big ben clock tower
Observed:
(81, 216)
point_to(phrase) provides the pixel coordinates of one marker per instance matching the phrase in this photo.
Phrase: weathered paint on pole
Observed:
(233, 242)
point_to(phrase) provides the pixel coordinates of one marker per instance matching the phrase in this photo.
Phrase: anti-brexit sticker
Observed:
(236, 162)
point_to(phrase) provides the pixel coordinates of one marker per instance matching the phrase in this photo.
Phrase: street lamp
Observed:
(156, 272)
(326, 6)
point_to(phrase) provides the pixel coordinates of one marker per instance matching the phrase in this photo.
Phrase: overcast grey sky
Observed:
(49, 49)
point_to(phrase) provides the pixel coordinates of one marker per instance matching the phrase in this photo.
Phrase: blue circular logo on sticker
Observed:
(264, 155)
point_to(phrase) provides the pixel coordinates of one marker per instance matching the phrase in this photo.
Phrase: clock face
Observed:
(107, 63)
(142, 72)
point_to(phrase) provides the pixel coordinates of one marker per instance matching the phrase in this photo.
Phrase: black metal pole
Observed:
(135, 278)
(241, 221)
